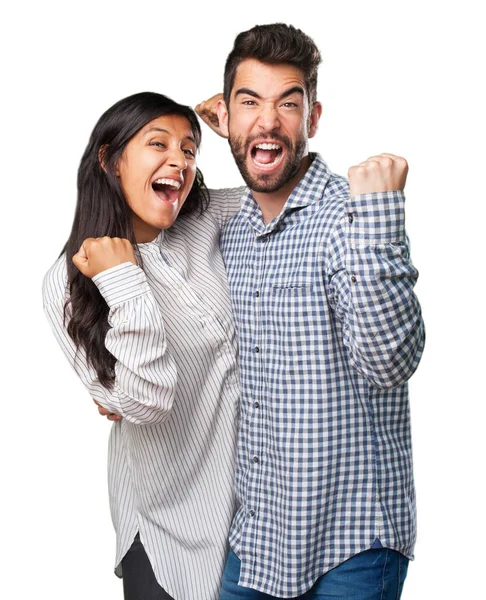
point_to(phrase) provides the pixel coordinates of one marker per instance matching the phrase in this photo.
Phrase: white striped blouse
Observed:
(171, 458)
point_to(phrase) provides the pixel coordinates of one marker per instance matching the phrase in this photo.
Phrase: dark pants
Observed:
(139, 581)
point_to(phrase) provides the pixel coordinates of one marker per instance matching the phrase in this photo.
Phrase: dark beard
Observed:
(268, 183)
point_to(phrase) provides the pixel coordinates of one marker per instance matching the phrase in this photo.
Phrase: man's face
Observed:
(269, 123)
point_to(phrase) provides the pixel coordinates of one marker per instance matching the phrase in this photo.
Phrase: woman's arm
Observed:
(145, 372)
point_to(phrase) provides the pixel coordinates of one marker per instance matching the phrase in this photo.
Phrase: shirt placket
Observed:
(252, 536)
(224, 346)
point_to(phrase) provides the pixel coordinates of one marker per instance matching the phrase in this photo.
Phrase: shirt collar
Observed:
(309, 190)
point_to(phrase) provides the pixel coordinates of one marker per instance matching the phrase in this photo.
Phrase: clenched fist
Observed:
(99, 254)
(381, 173)
(208, 111)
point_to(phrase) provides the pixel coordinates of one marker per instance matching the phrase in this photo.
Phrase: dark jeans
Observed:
(371, 575)
(139, 581)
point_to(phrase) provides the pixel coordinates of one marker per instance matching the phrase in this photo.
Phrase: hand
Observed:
(207, 110)
(106, 413)
(99, 254)
(381, 173)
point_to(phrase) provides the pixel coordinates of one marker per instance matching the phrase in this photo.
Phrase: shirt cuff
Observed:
(376, 218)
(121, 283)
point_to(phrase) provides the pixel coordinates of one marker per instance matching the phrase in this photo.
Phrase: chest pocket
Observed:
(290, 306)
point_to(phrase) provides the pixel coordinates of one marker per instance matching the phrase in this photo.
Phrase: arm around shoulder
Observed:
(225, 203)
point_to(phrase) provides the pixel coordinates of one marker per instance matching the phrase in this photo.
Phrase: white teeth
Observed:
(268, 146)
(175, 185)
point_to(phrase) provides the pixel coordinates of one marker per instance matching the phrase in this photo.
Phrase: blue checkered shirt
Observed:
(329, 332)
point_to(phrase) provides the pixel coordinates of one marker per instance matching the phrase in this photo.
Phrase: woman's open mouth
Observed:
(167, 189)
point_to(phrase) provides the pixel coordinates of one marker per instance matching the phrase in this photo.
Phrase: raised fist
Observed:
(208, 111)
(99, 254)
(381, 173)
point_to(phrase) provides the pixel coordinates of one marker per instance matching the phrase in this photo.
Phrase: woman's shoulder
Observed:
(54, 284)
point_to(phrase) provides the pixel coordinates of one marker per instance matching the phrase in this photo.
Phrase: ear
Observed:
(222, 111)
(101, 156)
(315, 115)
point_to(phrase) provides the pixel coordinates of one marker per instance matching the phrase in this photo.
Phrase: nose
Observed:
(268, 119)
(177, 159)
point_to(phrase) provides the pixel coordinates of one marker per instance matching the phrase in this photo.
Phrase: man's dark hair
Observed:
(275, 44)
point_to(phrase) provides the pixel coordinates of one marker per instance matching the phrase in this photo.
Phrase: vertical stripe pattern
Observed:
(171, 457)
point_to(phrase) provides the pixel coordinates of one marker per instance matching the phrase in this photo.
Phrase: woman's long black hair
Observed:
(102, 210)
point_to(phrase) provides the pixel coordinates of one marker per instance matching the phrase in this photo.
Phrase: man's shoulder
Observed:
(337, 189)
(331, 205)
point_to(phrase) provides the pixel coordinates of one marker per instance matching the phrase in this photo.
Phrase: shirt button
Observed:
(256, 405)
(257, 349)
(255, 459)
(353, 279)
(252, 513)
(350, 217)
(257, 294)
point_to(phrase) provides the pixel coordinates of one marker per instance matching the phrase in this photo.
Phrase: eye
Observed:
(158, 144)
(290, 105)
(189, 152)
(249, 102)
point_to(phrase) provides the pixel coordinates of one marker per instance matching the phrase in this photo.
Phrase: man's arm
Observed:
(371, 276)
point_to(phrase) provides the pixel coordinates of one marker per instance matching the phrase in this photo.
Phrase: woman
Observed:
(138, 302)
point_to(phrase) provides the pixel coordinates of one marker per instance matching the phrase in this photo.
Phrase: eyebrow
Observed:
(297, 89)
(160, 130)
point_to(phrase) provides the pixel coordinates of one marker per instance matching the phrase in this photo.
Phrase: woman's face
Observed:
(157, 170)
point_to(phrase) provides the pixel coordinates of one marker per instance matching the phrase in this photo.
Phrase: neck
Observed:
(272, 203)
(143, 231)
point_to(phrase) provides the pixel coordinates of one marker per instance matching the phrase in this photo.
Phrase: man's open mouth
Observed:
(266, 155)
(167, 189)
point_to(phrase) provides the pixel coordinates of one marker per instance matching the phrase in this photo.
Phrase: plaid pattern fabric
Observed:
(329, 332)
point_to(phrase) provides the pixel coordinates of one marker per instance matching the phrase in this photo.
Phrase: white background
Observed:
(402, 77)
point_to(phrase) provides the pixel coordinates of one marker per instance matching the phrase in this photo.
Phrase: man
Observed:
(329, 332)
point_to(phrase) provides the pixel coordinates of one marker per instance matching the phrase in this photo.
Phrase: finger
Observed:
(389, 155)
(381, 159)
(101, 409)
(370, 164)
(392, 161)
(80, 259)
(114, 417)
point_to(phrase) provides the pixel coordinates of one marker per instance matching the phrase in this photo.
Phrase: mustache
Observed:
(276, 137)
